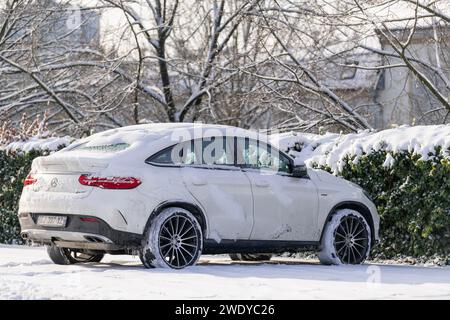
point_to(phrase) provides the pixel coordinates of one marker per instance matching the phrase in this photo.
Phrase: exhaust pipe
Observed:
(24, 236)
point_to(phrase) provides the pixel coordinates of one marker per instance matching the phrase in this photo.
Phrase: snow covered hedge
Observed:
(406, 171)
(15, 163)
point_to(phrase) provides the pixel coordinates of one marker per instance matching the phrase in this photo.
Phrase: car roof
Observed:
(153, 131)
(145, 139)
(164, 134)
(171, 126)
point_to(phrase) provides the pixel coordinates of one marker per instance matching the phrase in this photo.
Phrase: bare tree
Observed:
(291, 65)
(334, 57)
(174, 35)
(402, 50)
(45, 66)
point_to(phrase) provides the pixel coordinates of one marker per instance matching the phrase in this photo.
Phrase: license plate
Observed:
(52, 221)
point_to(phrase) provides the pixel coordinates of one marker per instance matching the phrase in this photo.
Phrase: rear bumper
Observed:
(94, 234)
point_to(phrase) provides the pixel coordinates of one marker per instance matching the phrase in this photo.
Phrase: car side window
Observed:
(162, 157)
(218, 151)
(206, 151)
(258, 155)
(181, 153)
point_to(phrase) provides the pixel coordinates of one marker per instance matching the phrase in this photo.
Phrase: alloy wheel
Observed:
(178, 241)
(351, 240)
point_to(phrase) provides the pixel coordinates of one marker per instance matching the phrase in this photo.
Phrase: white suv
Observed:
(171, 192)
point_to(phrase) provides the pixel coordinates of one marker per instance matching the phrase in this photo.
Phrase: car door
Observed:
(223, 190)
(285, 207)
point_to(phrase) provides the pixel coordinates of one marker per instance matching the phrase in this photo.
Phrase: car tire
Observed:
(250, 256)
(174, 239)
(65, 256)
(346, 239)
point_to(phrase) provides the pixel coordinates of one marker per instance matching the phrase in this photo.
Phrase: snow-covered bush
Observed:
(14, 168)
(18, 148)
(406, 171)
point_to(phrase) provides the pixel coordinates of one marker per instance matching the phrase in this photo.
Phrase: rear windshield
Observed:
(115, 147)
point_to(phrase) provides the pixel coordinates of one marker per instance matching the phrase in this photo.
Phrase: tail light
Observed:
(29, 180)
(109, 182)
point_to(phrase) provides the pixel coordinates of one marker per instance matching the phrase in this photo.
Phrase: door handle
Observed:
(262, 183)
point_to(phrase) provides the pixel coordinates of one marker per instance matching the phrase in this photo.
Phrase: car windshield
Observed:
(114, 147)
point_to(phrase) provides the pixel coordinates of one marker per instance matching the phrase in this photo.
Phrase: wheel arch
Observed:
(354, 205)
(193, 208)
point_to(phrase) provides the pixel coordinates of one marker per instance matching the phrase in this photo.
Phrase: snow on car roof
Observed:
(156, 130)
(168, 133)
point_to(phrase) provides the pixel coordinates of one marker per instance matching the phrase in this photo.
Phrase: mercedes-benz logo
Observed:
(54, 182)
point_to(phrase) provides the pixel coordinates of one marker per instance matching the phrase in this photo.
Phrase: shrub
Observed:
(14, 168)
(18, 147)
(412, 198)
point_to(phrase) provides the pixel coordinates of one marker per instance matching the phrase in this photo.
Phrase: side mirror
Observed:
(299, 171)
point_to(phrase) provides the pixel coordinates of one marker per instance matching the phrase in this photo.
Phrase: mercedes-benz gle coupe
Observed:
(170, 192)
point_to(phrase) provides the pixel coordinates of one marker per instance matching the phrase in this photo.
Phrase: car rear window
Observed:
(115, 147)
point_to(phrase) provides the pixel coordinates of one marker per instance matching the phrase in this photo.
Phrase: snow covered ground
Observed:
(27, 273)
